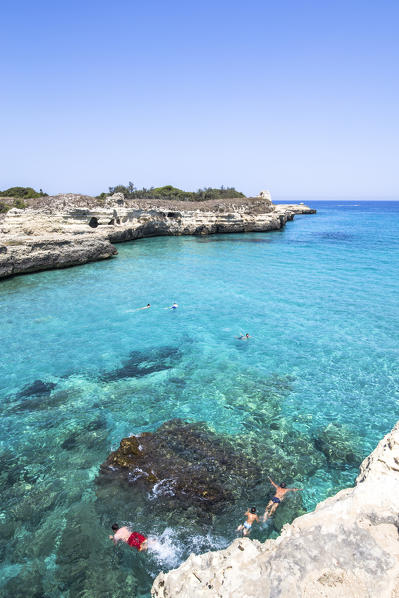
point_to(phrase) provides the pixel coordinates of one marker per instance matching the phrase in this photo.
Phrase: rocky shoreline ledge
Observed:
(348, 547)
(68, 230)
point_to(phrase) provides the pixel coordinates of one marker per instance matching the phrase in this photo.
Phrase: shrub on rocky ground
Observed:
(173, 193)
(22, 193)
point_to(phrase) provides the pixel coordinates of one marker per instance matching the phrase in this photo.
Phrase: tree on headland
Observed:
(22, 193)
(173, 193)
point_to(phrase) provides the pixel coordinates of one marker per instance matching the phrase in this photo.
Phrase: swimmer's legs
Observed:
(246, 532)
(143, 546)
(268, 511)
(274, 507)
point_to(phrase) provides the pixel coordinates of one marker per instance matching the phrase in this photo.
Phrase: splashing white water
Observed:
(166, 548)
(172, 547)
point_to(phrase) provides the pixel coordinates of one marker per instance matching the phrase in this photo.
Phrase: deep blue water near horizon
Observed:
(319, 299)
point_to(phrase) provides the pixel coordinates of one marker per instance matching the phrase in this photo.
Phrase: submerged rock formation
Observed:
(340, 445)
(348, 547)
(67, 230)
(141, 363)
(186, 462)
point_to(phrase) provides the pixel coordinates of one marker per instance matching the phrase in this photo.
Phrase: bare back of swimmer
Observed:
(251, 518)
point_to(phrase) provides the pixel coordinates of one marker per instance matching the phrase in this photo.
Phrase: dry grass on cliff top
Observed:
(72, 200)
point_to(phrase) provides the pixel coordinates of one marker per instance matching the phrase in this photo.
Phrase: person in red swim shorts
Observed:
(133, 539)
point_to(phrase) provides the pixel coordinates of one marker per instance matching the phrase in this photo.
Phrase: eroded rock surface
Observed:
(347, 548)
(67, 230)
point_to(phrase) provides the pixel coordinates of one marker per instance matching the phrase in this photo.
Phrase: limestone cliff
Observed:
(68, 230)
(348, 547)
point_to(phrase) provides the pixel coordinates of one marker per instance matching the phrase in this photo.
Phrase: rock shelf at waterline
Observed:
(348, 547)
(68, 230)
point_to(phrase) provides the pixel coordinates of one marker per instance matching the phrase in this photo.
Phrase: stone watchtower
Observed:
(265, 195)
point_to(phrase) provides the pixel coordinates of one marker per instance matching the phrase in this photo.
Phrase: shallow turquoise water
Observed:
(320, 301)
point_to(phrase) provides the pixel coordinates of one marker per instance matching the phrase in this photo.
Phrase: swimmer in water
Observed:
(173, 306)
(251, 518)
(281, 491)
(244, 337)
(133, 539)
(146, 307)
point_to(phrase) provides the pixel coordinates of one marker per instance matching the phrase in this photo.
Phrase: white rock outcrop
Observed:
(68, 230)
(347, 548)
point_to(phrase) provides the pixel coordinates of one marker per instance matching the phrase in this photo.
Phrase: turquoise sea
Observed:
(309, 395)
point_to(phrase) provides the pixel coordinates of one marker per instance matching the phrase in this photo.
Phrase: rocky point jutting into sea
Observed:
(347, 548)
(68, 230)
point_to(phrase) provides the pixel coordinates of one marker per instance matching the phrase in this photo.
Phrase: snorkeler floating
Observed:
(146, 307)
(251, 518)
(244, 337)
(133, 539)
(173, 306)
(281, 491)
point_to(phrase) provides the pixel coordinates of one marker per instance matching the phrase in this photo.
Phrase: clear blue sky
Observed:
(299, 97)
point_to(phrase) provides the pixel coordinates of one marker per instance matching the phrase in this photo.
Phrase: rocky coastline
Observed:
(348, 547)
(68, 230)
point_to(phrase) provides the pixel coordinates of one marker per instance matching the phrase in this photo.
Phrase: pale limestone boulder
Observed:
(45, 253)
(347, 548)
(116, 198)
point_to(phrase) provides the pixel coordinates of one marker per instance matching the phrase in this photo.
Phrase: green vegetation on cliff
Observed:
(170, 192)
(22, 193)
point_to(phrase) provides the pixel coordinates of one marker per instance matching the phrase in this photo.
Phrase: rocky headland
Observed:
(68, 230)
(347, 548)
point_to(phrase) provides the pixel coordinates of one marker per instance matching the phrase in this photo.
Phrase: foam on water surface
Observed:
(168, 549)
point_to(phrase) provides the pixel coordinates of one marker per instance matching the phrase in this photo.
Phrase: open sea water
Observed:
(318, 381)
